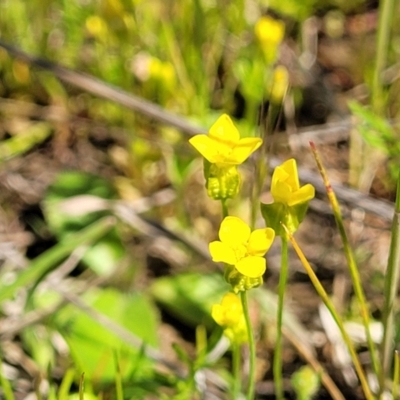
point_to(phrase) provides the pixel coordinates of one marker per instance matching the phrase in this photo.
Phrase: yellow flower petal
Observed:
(234, 231)
(218, 314)
(206, 147)
(260, 241)
(305, 193)
(252, 266)
(223, 145)
(243, 149)
(229, 313)
(224, 131)
(292, 179)
(285, 186)
(221, 252)
(281, 192)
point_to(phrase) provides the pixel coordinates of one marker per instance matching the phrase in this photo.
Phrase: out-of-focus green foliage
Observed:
(96, 349)
(104, 255)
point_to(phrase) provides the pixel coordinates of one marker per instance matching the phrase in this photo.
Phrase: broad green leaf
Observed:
(190, 296)
(42, 264)
(94, 347)
(85, 189)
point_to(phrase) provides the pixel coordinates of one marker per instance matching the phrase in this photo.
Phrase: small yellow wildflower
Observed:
(223, 150)
(229, 315)
(285, 186)
(269, 33)
(223, 145)
(241, 248)
(96, 26)
(290, 200)
(280, 84)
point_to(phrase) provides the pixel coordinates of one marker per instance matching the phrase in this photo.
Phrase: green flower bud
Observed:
(240, 282)
(222, 182)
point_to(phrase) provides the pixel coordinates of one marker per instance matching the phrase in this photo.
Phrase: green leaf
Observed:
(23, 142)
(90, 193)
(94, 347)
(42, 264)
(190, 296)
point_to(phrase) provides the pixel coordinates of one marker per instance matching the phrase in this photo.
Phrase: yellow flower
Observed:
(280, 84)
(269, 31)
(229, 315)
(285, 187)
(223, 145)
(240, 247)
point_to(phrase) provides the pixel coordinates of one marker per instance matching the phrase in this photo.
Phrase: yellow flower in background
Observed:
(223, 145)
(279, 84)
(97, 26)
(229, 315)
(241, 248)
(285, 186)
(270, 33)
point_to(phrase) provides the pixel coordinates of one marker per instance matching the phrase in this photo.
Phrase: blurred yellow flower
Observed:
(223, 145)
(229, 315)
(280, 84)
(269, 33)
(96, 26)
(241, 248)
(285, 186)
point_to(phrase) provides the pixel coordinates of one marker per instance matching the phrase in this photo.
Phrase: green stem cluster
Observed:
(391, 285)
(386, 11)
(355, 275)
(329, 304)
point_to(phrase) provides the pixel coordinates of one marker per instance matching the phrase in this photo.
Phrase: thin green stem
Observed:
(355, 275)
(5, 385)
(329, 305)
(277, 367)
(386, 12)
(82, 387)
(396, 372)
(260, 174)
(391, 284)
(252, 347)
(225, 212)
(236, 370)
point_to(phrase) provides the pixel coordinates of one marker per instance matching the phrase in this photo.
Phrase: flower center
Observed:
(240, 251)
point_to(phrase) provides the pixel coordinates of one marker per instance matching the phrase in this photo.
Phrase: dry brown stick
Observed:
(97, 87)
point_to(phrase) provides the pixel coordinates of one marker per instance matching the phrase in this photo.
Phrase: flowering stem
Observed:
(252, 346)
(329, 305)
(236, 370)
(278, 380)
(396, 373)
(392, 277)
(225, 212)
(355, 275)
(386, 11)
